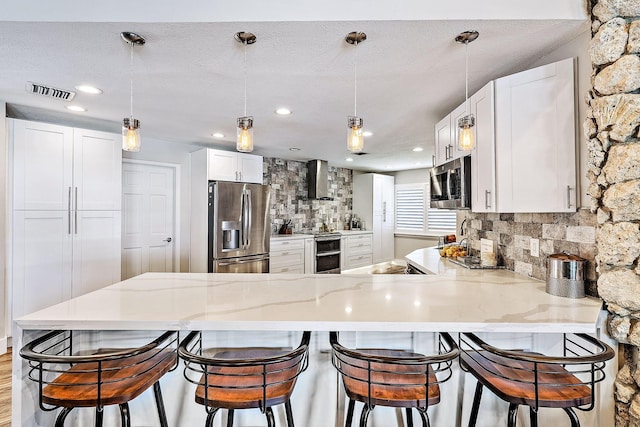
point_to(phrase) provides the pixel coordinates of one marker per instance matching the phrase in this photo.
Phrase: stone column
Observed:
(611, 127)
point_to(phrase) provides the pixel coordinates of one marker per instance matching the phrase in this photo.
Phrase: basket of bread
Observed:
(453, 251)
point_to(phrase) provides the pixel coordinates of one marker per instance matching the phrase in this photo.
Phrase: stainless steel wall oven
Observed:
(327, 253)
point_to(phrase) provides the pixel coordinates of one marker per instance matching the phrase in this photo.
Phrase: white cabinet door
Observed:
(388, 218)
(535, 140)
(97, 171)
(483, 179)
(222, 166)
(443, 141)
(42, 166)
(41, 268)
(250, 168)
(310, 256)
(96, 251)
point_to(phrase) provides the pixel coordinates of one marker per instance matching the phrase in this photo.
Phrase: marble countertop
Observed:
(456, 300)
(429, 261)
(352, 232)
(291, 236)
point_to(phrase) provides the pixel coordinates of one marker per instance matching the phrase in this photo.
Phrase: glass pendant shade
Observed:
(355, 138)
(466, 140)
(131, 135)
(244, 141)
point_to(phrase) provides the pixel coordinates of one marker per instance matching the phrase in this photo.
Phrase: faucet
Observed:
(465, 244)
(462, 229)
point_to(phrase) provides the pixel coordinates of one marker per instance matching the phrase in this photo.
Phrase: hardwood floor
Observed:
(5, 390)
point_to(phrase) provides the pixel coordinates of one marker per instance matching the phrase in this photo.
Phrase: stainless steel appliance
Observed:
(451, 184)
(239, 228)
(327, 253)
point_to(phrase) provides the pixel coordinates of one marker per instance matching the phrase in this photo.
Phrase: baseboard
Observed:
(3, 345)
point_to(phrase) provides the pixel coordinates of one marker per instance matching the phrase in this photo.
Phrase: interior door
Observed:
(148, 231)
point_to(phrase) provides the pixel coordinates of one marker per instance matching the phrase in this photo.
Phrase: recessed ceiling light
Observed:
(217, 135)
(294, 149)
(75, 108)
(349, 159)
(89, 89)
(418, 149)
(282, 111)
(367, 133)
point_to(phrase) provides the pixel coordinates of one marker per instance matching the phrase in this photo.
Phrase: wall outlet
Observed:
(534, 247)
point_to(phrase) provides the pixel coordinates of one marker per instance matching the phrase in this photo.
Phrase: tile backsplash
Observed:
(288, 182)
(574, 233)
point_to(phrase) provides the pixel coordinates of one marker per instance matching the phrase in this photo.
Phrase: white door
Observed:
(148, 212)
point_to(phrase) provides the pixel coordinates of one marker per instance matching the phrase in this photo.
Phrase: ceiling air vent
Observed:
(51, 92)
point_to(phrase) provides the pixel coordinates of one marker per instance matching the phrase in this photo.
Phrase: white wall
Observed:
(166, 152)
(579, 48)
(4, 166)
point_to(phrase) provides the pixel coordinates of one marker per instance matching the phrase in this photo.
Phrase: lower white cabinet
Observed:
(287, 256)
(58, 255)
(357, 251)
(309, 256)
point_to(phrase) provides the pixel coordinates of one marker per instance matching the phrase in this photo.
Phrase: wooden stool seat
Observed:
(122, 380)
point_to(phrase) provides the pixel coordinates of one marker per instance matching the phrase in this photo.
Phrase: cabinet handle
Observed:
(568, 197)
(446, 152)
(69, 210)
(76, 210)
(384, 211)
(285, 253)
(487, 198)
(240, 175)
(433, 160)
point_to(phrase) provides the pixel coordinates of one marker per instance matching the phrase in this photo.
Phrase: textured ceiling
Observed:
(188, 79)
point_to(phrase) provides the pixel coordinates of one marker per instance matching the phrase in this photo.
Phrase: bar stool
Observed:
(97, 378)
(393, 378)
(535, 380)
(243, 378)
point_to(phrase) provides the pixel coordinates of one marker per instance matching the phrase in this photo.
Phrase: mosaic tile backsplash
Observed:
(574, 233)
(288, 182)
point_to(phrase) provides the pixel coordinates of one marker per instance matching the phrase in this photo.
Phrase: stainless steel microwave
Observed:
(451, 184)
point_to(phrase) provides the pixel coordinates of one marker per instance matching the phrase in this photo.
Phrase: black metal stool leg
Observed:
(476, 405)
(349, 421)
(364, 416)
(575, 422)
(425, 418)
(230, 418)
(289, 413)
(125, 419)
(211, 413)
(271, 422)
(513, 415)
(409, 417)
(61, 416)
(157, 393)
(99, 415)
(533, 417)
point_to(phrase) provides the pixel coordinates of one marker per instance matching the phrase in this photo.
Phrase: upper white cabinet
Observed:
(446, 136)
(66, 219)
(62, 168)
(233, 166)
(374, 202)
(483, 177)
(535, 140)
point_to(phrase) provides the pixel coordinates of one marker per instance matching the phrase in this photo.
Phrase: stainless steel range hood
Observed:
(318, 179)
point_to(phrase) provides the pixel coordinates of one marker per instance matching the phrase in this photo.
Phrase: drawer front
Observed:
(285, 244)
(354, 261)
(286, 258)
(289, 269)
(359, 245)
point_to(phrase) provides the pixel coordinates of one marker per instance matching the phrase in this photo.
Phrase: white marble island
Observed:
(453, 300)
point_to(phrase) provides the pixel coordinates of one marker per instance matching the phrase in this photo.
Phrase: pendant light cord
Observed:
(245, 78)
(355, 79)
(131, 83)
(466, 71)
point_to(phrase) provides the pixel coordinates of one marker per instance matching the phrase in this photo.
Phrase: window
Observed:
(414, 216)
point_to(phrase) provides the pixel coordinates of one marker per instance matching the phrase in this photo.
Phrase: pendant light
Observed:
(355, 138)
(131, 126)
(244, 140)
(465, 134)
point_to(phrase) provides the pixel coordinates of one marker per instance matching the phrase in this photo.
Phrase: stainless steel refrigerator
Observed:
(239, 228)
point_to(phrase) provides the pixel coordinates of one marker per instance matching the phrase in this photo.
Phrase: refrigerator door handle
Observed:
(249, 218)
(243, 261)
(243, 228)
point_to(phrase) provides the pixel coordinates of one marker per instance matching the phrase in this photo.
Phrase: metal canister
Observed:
(565, 275)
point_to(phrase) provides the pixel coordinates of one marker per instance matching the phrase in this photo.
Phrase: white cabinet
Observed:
(358, 250)
(309, 256)
(483, 177)
(374, 203)
(287, 255)
(535, 140)
(446, 136)
(233, 166)
(66, 199)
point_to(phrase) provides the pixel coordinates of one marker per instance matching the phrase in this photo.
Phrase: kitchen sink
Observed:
(472, 262)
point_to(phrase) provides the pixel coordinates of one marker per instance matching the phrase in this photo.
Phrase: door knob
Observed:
(168, 240)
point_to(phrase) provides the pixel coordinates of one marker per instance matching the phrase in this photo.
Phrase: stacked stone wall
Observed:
(611, 127)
